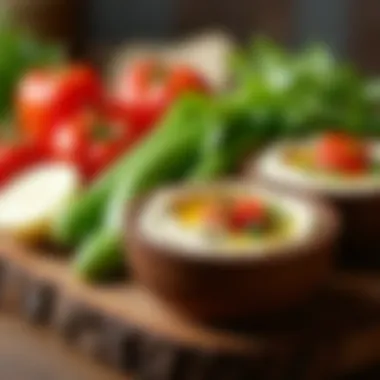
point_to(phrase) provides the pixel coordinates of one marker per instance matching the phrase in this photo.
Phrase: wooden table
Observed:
(27, 353)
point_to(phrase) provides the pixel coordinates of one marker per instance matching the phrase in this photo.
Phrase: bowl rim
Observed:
(254, 170)
(327, 230)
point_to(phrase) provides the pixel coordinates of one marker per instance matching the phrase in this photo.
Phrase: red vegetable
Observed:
(149, 87)
(15, 157)
(105, 150)
(246, 213)
(46, 96)
(69, 140)
(341, 153)
(90, 141)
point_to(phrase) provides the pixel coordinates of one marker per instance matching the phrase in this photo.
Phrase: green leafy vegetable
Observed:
(291, 94)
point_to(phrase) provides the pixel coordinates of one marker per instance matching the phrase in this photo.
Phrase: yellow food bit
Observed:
(301, 157)
(191, 213)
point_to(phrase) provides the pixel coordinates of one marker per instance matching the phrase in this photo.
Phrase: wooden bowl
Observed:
(215, 288)
(359, 241)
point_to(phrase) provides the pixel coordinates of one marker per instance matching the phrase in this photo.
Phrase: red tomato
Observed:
(69, 140)
(149, 87)
(247, 212)
(90, 141)
(15, 157)
(341, 153)
(101, 155)
(44, 97)
(184, 79)
(108, 142)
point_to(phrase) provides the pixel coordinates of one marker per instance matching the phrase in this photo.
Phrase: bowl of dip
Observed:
(230, 250)
(344, 171)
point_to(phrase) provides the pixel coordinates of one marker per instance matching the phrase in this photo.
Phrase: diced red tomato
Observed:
(246, 213)
(341, 153)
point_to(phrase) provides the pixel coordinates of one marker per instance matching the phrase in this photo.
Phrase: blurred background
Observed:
(103, 31)
(92, 27)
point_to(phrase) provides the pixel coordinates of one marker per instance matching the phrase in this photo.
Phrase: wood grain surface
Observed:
(132, 332)
(28, 353)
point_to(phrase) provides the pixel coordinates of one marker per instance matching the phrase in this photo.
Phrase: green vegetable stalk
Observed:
(169, 160)
(171, 163)
(85, 214)
(227, 143)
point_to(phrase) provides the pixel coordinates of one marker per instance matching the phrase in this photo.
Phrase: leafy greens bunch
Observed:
(286, 93)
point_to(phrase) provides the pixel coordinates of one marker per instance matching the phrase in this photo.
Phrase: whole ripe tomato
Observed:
(149, 87)
(341, 153)
(90, 141)
(46, 96)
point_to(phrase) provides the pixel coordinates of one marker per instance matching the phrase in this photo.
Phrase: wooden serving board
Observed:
(32, 353)
(127, 328)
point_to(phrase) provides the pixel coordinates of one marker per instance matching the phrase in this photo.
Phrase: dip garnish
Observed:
(337, 152)
(334, 153)
(229, 217)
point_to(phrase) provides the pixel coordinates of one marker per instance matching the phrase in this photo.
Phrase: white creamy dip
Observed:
(272, 166)
(160, 227)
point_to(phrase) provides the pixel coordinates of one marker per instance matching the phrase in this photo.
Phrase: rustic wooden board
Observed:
(32, 353)
(125, 327)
